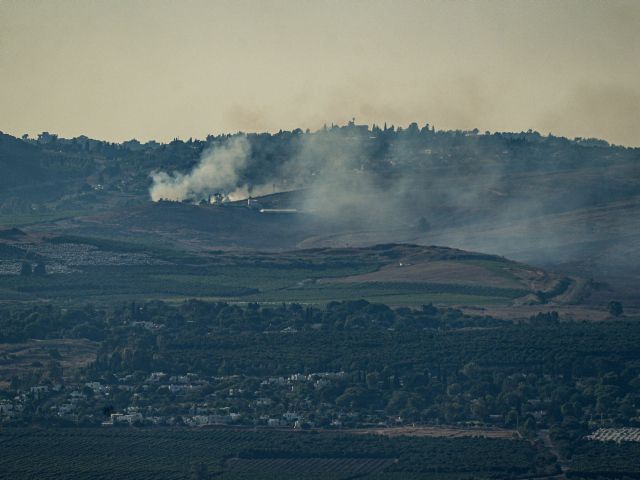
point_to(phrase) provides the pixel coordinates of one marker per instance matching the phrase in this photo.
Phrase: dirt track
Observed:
(433, 431)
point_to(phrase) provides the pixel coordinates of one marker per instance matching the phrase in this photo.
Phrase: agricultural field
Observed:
(605, 460)
(102, 269)
(396, 293)
(75, 453)
(309, 467)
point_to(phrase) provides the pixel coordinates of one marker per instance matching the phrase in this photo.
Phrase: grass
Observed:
(393, 293)
(503, 268)
(150, 281)
(392, 298)
(240, 283)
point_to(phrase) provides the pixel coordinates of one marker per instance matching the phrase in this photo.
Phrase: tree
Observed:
(528, 426)
(372, 380)
(54, 370)
(199, 471)
(25, 269)
(413, 129)
(397, 402)
(40, 269)
(615, 308)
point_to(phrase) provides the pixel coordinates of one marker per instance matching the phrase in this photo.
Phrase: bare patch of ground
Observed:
(566, 312)
(21, 358)
(440, 431)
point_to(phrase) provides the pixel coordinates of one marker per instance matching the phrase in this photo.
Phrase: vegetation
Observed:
(101, 269)
(87, 173)
(431, 366)
(191, 340)
(605, 460)
(178, 454)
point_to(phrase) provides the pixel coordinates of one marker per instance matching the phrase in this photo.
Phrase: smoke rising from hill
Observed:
(525, 196)
(342, 183)
(218, 171)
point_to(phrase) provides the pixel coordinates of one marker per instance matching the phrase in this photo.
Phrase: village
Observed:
(189, 400)
(193, 400)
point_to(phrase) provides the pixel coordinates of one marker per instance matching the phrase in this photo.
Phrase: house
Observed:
(321, 383)
(197, 420)
(290, 416)
(40, 389)
(95, 386)
(129, 418)
(7, 410)
(156, 377)
(66, 409)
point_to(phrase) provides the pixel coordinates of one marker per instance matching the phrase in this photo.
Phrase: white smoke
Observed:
(218, 171)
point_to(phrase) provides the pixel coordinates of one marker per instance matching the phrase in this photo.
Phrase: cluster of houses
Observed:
(318, 379)
(164, 399)
(10, 409)
(193, 400)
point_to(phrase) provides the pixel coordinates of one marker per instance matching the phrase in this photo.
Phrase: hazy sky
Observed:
(164, 69)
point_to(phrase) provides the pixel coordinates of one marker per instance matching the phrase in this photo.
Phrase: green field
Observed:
(393, 293)
(103, 269)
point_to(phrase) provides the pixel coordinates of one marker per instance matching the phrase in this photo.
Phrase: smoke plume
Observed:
(218, 171)
(519, 195)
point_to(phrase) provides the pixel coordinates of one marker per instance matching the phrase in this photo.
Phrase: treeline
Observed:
(196, 318)
(383, 151)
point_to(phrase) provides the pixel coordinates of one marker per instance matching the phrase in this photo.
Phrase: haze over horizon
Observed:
(160, 70)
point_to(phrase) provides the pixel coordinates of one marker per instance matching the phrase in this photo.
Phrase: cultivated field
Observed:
(237, 454)
(101, 269)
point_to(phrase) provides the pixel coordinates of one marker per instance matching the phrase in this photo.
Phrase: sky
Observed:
(156, 69)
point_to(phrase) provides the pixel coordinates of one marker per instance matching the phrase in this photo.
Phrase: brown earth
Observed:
(432, 431)
(566, 312)
(22, 358)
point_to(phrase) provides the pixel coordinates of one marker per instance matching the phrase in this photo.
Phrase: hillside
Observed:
(565, 206)
(80, 268)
